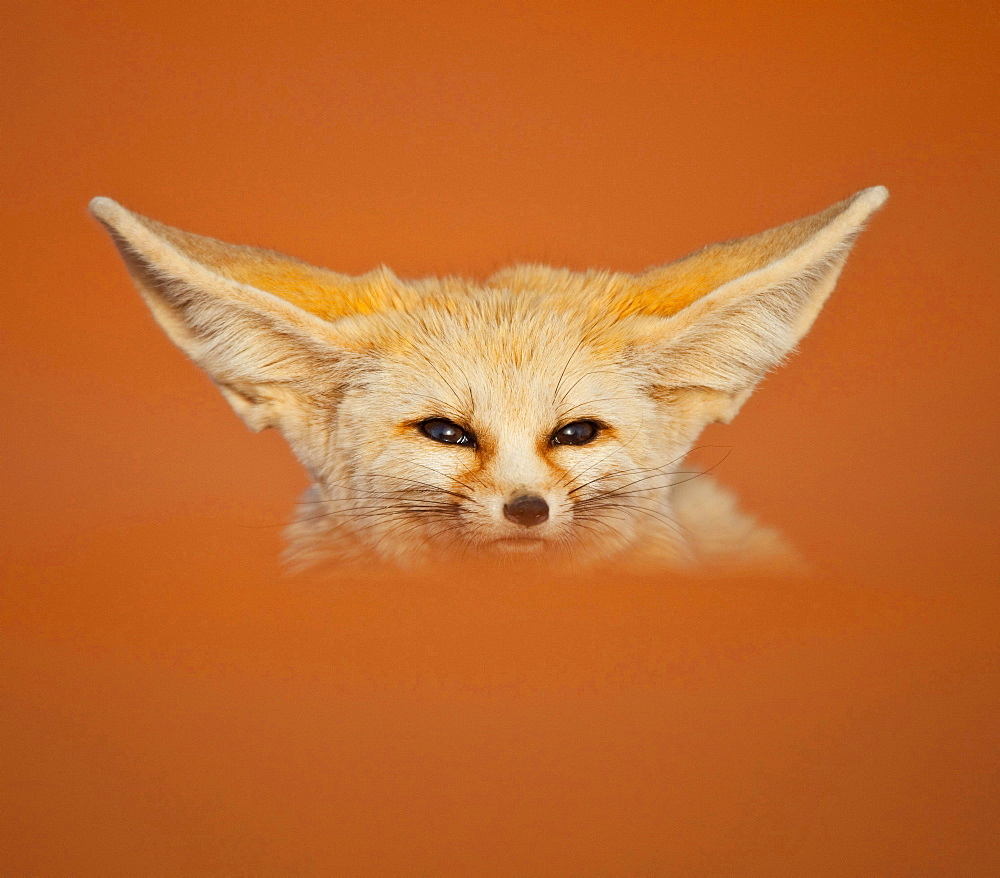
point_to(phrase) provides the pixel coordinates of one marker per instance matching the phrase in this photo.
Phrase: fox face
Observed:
(541, 413)
(506, 435)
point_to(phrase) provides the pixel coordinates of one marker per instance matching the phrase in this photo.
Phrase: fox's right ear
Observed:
(721, 318)
(238, 312)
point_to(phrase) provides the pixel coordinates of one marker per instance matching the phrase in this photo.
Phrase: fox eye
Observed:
(441, 430)
(576, 433)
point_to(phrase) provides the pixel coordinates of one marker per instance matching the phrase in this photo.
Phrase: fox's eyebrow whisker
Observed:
(564, 413)
(466, 407)
(562, 375)
(573, 386)
(434, 399)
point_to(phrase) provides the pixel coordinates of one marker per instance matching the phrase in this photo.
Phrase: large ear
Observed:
(256, 321)
(722, 317)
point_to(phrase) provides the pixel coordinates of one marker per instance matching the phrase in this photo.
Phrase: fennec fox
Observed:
(542, 412)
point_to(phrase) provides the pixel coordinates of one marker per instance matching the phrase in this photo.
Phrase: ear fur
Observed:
(724, 316)
(261, 349)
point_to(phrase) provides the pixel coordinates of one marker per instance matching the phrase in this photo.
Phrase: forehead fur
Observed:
(590, 298)
(489, 354)
(507, 325)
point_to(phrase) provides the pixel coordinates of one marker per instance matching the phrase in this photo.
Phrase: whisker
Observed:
(611, 454)
(456, 480)
(562, 375)
(572, 387)
(384, 475)
(693, 474)
(659, 514)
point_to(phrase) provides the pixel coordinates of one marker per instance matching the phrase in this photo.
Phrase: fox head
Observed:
(541, 411)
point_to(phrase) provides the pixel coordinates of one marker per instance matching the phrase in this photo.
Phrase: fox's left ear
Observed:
(721, 318)
(268, 329)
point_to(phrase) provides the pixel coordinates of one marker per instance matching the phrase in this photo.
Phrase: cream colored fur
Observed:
(347, 368)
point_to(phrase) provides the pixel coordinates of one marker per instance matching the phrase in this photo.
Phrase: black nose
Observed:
(527, 510)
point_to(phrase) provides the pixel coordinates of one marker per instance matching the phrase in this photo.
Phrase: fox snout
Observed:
(526, 510)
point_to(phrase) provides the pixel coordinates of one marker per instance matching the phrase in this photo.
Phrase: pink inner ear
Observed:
(300, 287)
(324, 293)
(321, 292)
(667, 290)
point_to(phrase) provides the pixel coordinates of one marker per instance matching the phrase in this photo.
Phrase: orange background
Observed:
(173, 706)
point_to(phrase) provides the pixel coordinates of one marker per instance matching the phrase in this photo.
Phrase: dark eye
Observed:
(447, 432)
(577, 433)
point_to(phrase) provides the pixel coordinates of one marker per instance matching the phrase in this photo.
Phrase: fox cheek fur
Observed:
(541, 411)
